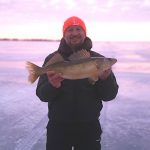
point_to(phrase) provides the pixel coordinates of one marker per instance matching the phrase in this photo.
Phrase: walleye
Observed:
(79, 66)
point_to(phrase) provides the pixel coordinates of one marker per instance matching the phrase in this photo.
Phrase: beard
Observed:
(75, 41)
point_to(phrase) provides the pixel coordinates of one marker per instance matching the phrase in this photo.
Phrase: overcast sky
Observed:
(105, 19)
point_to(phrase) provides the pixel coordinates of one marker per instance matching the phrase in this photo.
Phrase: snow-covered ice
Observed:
(23, 117)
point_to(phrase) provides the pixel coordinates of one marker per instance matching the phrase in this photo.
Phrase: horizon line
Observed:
(27, 39)
(58, 40)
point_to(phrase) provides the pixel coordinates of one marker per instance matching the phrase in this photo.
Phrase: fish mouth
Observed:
(114, 60)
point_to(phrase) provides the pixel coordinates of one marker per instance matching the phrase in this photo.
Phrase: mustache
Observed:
(75, 36)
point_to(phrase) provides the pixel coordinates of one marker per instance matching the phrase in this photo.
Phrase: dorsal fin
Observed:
(82, 54)
(56, 58)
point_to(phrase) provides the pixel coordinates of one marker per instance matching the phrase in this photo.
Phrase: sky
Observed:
(106, 20)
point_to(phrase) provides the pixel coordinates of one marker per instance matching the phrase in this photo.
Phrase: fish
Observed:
(80, 65)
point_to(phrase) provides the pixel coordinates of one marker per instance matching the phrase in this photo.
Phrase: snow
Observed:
(23, 117)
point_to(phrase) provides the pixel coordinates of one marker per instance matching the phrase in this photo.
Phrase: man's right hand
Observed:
(54, 78)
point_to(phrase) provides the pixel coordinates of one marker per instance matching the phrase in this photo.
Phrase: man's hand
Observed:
(54, 78)
(105, 74)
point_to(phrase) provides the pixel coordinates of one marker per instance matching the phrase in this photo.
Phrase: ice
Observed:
(126, 121)
(23, 117)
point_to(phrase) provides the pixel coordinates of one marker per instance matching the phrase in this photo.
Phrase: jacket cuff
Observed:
(46, 92)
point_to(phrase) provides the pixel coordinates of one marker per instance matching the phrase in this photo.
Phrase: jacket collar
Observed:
(66, 51)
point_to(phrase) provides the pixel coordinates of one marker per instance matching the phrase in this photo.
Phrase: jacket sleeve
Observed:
(45, 91)
(108, 89)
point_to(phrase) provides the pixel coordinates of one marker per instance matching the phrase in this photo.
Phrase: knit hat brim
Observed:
(74, 21)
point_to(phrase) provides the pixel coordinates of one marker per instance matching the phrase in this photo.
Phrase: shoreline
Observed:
(36, 40)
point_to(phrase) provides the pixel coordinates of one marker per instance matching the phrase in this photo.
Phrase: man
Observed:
(74, 105)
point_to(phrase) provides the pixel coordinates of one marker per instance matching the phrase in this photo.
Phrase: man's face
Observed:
(74, 36)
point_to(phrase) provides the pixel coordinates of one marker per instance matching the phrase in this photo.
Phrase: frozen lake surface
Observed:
(23, 117)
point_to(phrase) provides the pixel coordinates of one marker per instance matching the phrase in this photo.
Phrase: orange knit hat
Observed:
(74, 21)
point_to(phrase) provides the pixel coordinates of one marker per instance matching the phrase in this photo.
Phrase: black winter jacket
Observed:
(76, 100)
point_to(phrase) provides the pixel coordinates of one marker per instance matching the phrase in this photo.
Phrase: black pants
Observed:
(81, 136)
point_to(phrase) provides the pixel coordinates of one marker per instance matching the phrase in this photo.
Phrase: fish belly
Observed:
(79, 71)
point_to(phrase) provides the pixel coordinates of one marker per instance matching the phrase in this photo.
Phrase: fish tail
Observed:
(34, 71)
